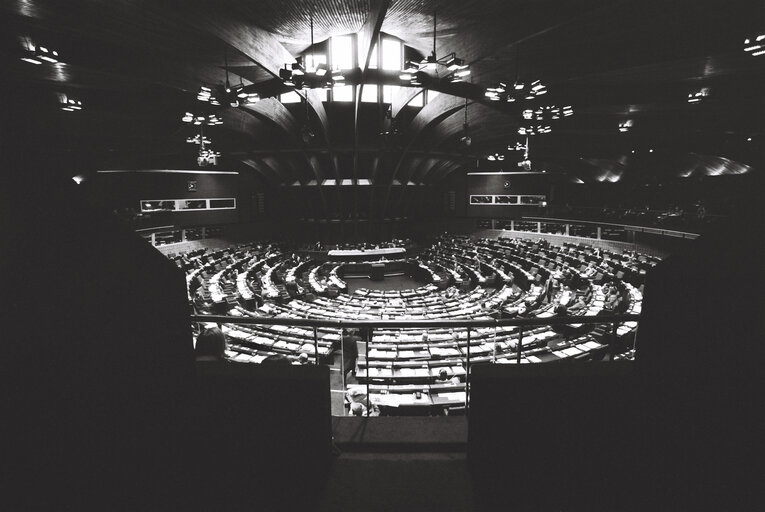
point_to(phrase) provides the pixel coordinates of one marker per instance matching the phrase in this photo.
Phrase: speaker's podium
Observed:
(558, 434)
(377, 271)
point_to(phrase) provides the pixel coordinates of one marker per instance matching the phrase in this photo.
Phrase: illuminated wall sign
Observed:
(508, 200)
(181, 205)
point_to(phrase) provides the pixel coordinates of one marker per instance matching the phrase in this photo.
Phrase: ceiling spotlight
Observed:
(198, 139)
(36, 54)
(198, 119)
(650, 150)
(755, 46)
(31, 57)
(698, 95)
(749, 139)
(69, 104)
(625, 126)
(47, 55)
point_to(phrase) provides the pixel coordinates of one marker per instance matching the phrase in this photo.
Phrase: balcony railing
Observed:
(613, 320)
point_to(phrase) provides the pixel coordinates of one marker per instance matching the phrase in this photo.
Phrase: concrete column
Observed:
(539, 227)
(599, 228)
(512, 225)
(567, 226)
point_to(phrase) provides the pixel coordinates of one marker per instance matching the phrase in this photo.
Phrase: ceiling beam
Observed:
(367, 37)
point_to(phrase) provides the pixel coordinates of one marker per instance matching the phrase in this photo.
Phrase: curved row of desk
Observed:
(480, 279)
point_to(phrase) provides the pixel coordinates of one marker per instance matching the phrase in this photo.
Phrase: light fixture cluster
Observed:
(698, 95)
(226, 94)
(518, 147)
(450, 68)
(198, 139)
(37, 54)
(549, 112)
(625, 126)
(308, 73)
(69, 104)
(755, 46)
(209, 120)
(517, 91)
(207, 157)
(305, 74)
(495, 157)
(534, 129)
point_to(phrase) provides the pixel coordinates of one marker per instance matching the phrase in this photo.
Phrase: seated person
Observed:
(276, 359)
(211, 345)
(358, 395)
(579, 305)
(612, 300)
(443, 376)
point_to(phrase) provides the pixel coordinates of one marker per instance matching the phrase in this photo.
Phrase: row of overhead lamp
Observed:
(37, 54)
(209, 120)
(548, 112)
(209, 153)
(198, 139)
(755, 46)
(69, 104)
(518, 90)
(698, 95)
(534, 129)
(233, 96)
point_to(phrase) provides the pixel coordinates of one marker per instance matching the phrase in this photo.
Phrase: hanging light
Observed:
(453, 68)
(200, 119)
(308, 72)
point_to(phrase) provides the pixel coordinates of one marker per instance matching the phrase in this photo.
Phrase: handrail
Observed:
(629, 227)
(338, 324)
(435, 323)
